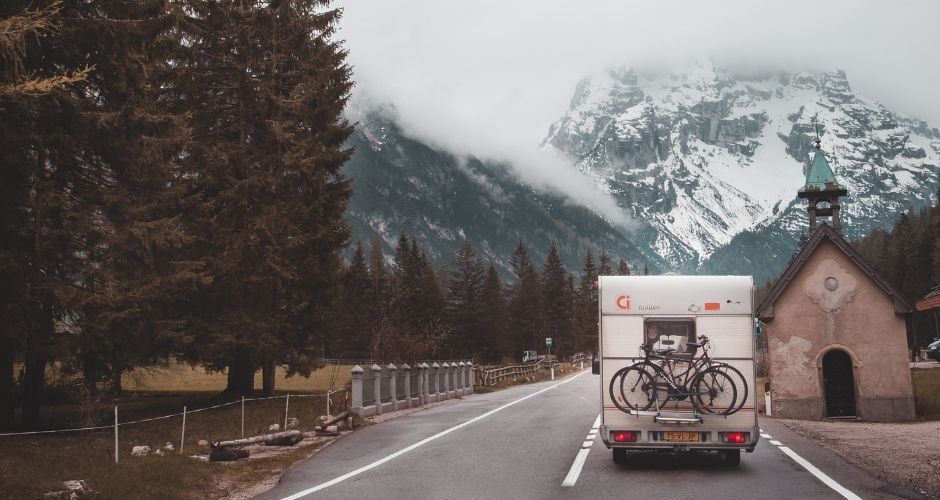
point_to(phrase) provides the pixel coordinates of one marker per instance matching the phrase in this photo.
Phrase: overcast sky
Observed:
(488, 77)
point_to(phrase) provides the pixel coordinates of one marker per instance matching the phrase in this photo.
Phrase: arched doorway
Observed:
(839, 384)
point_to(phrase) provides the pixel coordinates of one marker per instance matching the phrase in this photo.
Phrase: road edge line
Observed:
(424, 441)
(828, 481)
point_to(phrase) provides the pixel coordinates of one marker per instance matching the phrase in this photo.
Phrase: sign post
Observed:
(551, 364)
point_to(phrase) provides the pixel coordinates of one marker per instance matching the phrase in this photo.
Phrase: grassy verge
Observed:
(927, 392)
(33, 465)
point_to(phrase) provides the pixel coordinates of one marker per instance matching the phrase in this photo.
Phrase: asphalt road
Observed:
(522, 443)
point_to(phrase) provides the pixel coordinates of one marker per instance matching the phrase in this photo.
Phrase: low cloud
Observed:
(487, 78)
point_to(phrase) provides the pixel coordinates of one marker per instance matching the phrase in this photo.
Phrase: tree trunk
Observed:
(90, 374)
(231, 379)
(241, 374)
(7, 387)
(267, 378)
(117, 368)
(37, 357)
(272, 439)
(34, 379)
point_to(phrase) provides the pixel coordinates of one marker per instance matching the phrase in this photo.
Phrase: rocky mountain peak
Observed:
(705, 154)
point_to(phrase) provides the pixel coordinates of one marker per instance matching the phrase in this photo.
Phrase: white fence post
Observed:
(377, 387)
(116, 459)
(243, 416)
(435, 368)
(452, 379)
(423, 384)
(445, 376)
(393, 385)
(286, 409)
(470, 376)
(407, 368)
(463, 378)
(357, 390)
(183, 434)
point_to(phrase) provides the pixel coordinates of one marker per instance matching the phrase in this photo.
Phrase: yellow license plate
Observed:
(680, 436)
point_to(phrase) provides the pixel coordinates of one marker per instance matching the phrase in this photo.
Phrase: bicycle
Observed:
(703, 362)
(706, 384)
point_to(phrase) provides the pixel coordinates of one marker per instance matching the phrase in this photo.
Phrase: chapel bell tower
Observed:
(822, 192)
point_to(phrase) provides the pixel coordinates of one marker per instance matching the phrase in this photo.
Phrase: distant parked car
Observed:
(933, 350)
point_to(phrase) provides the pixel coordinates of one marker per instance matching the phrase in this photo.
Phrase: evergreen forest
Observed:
(171, 188)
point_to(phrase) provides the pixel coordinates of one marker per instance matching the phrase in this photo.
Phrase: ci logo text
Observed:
(623, 302)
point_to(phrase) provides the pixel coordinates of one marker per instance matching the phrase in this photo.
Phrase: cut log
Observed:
(336, 418)
(264, 438)
(286, 440)
(223, 454)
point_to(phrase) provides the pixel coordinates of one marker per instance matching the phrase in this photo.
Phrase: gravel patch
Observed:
(904, 454)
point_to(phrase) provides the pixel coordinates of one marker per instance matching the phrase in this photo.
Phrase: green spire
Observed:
(819, 173)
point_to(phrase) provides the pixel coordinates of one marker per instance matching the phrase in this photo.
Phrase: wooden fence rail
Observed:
(494, 375)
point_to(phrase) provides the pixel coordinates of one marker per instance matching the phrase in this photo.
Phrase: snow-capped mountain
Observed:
(712, 159)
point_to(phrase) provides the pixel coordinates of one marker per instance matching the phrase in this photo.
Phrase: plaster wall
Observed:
(857, 317)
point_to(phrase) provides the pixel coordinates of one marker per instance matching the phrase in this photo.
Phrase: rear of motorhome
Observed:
(672, 316)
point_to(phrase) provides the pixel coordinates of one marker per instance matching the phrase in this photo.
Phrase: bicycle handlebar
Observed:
(648, 347)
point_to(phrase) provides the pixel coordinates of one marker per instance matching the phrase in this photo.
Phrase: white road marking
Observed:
(578, 463)
(828, 481)
(776, 443)
(587, 444)
(422, 442)
(768, 436)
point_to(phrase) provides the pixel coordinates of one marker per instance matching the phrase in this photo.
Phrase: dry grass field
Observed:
(176, 377)
(927, 392)
(33, 465)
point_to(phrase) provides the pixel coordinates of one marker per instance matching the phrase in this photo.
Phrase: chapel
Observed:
(836, 330)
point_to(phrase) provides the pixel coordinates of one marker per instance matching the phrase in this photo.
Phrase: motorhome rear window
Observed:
(670, 334)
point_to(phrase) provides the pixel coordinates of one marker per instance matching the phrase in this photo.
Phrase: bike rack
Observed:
(671, 417)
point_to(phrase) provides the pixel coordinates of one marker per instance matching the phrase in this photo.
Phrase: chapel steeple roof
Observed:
(822, 191)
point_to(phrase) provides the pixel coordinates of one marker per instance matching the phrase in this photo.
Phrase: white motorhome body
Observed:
(670, 311)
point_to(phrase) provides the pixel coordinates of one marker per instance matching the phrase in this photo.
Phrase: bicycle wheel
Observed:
(713, 391)
(632, 388)
(740, 383)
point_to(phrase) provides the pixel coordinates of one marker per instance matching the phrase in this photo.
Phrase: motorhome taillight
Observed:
(736, 437)
(624, 436)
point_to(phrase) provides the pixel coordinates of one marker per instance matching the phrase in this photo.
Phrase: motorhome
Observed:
(691, 342)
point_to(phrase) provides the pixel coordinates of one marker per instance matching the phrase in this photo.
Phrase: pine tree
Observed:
(494, 346)
(266, 85)
(464, 294)
(30, 114)
(586, 307)
(556, 303)
(414, 328)
(378, 284)
(87, 162)
(936, 261)
(352, 334)
(623, 269)
(138, 274)
(604, 267)
(525, 315)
